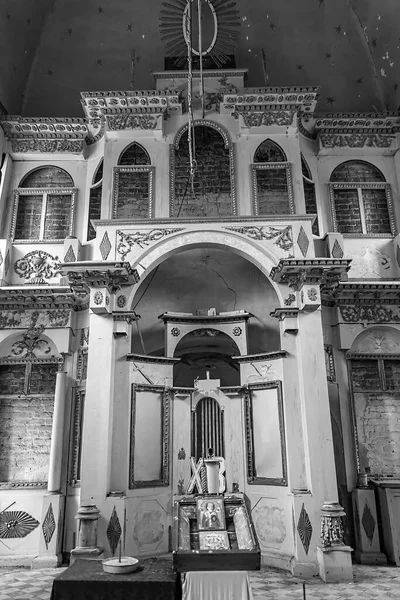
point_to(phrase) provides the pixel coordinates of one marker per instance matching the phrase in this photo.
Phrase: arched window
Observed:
(361, 200)
(211, 193)
(133, 184)
(309, 194)
(95, 200)
(272, 181)
(44, 206)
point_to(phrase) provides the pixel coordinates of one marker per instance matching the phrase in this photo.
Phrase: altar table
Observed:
(86, 580)
(217, 585)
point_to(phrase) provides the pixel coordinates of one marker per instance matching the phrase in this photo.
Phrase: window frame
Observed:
(116, 184)
(43, 193)
(289, 182)
(378, 185)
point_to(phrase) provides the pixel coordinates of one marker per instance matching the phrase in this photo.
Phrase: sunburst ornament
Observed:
(214, 28)
(16, 524)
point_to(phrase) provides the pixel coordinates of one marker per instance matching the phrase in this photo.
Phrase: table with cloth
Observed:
(86, 580)
(217, 585)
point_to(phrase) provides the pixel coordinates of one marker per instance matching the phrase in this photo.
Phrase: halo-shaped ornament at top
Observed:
(219, 30)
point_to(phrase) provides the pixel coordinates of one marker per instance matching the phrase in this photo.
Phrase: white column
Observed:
(57, 433)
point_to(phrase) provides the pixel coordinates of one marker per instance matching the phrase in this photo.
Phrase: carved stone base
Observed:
(86, 554)
(335, 563)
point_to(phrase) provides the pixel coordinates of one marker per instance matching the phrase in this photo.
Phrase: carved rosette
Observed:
(332, 531)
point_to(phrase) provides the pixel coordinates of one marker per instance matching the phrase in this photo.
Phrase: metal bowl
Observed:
(127, 564)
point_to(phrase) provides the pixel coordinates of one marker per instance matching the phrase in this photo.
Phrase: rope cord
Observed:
(201, 85)
(191, 144)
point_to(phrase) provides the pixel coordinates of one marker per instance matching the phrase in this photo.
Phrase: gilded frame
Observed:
(165, 440)
(366, 186)
(133, 169)
(289, 181)
(43, 193)
(252, 478)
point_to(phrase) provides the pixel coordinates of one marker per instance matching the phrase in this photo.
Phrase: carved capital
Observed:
(325, 272)
(109, 275)
(332, 531)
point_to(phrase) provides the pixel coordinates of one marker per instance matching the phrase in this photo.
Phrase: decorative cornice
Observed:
(38, 297)
(111, 275)
(261, 357)
(355, 140)
(367, 293)
(130, 120)
(285, 313)
(265, 100)
(295, 272)
(44, 135)
(208, 74)
(388, 122)
(204, 319)
(97, 104)
(160, 360)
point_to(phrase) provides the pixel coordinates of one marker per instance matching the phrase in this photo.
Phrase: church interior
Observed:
(199, 284)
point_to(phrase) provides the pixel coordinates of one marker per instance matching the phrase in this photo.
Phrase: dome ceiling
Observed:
(53, 49)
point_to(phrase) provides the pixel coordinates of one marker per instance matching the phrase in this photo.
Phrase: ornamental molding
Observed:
(286, 166)
(203, 123)
(160, 360)
(372, 123)
(285, 313)
(133, 121)
(204, 319)
(37, 266)
(266, 118)
(326, 272)
(280, 236)
(141, 238)
(45, 135)
(264, 356)
(38, 298)
(87, 274)
(264, 219)
(28, 318)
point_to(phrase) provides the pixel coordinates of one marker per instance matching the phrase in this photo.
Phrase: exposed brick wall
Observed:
(43, 379)
(25, 435)
(28, 217)
(376, 211)
(392, 374)
(365, 375)
(58, 217)
(134, 155)
(212, 183)
(347, 211)
(12, 379)
(133, 196)
(311, 203)
(354, 171)
(272, 192)
(268, 151)
(94, 210)
(48, 177)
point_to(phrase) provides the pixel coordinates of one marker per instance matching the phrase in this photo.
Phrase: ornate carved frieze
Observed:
(45, 134)
(363, 122)
(355, 140)
(132, 121)
(37, 266)
(265, 118)
(21, 298)
(96, 104)
(367, 293)
(352, 313)
(10, 319)
(326, 272)
(281, 236)
(329, 362)
(141, 238)
(31, 341)
(111, 275)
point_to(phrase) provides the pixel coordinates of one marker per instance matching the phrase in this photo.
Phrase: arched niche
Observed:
(206, 349)
(185, 277)
(377, 340)
(213, 193)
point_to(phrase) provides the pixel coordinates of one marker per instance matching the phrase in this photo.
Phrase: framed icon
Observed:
(210, 514)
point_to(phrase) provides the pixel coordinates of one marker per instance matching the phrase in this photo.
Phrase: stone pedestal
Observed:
(368, 551)
(87, 548)
(334, 563)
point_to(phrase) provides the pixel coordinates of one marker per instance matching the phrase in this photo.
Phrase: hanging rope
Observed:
(192, 162)
(201, 85)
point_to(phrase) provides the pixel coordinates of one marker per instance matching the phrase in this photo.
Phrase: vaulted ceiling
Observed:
(51, 50)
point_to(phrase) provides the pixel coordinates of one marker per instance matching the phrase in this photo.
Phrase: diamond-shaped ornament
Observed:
(303, 242)
(368, 522)
(304, 529)
(105, 246)
(113, 531)
(48, 525)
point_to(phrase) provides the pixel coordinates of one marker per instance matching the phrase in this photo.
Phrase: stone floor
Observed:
(370, 583)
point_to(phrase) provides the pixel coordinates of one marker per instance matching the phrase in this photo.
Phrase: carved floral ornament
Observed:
(37, 266)
(128, 241)
(30, 343)
(280, 236)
